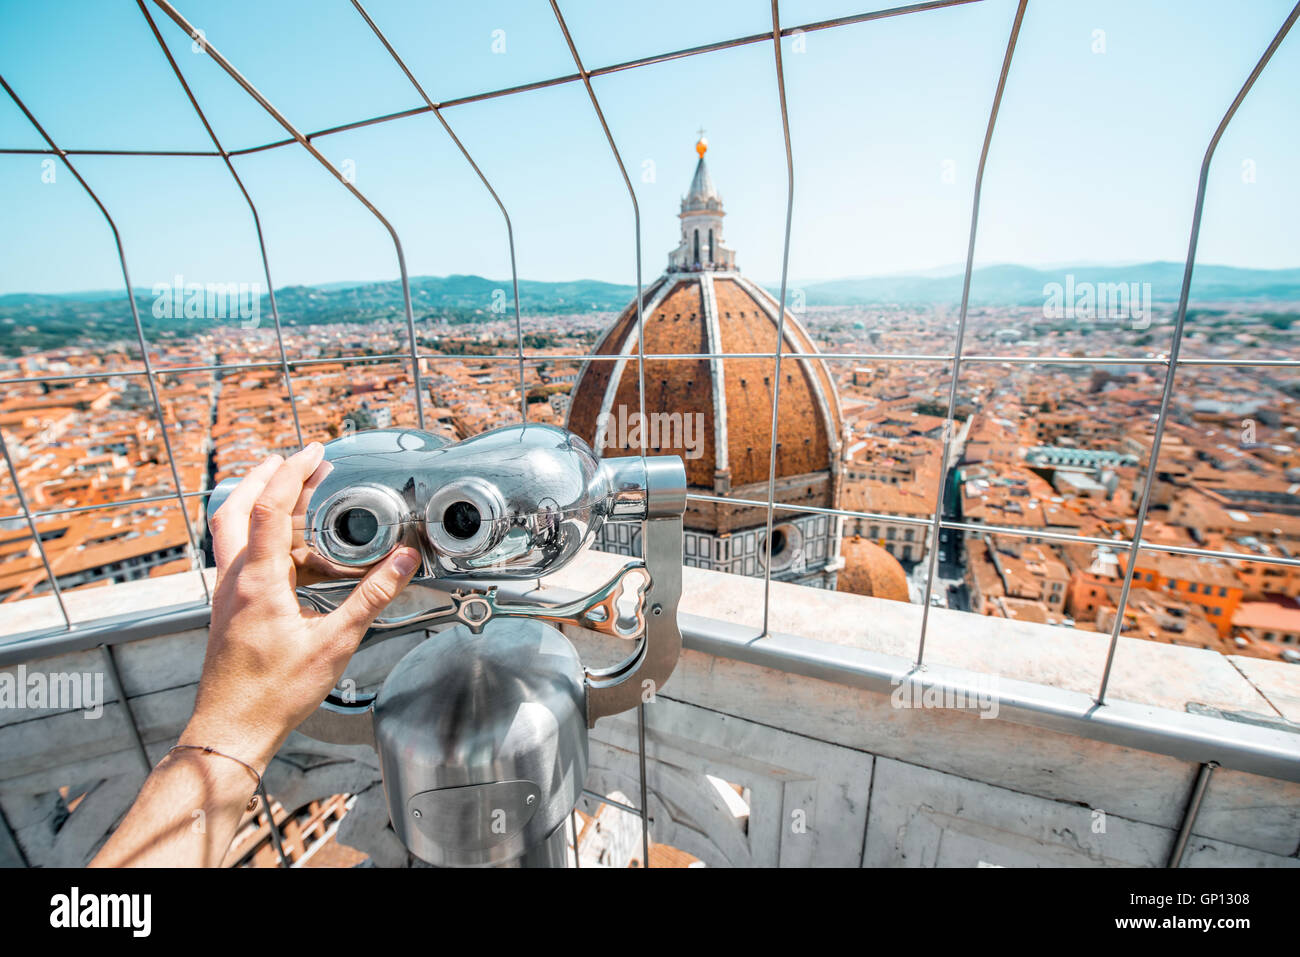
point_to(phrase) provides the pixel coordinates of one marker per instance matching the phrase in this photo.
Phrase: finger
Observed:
(309, 488)
(301, 554)
(373, 594)
(309, 568)
(230, 523)
(270, 533)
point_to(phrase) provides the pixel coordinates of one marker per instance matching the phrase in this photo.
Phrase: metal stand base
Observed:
(553, 852)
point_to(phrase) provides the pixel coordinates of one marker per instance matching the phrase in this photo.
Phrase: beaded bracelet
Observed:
(252, 802)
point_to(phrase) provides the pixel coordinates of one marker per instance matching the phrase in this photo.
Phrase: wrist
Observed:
(214, 781)
(255, 747)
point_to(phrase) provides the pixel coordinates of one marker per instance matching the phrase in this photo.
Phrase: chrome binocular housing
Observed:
(481, 728)
(515, 503)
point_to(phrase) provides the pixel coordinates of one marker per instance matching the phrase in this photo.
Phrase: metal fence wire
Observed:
(934, 524)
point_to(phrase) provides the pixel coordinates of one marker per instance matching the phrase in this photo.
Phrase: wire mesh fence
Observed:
(421, 364)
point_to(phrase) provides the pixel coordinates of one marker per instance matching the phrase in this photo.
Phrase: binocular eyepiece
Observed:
(514, 503)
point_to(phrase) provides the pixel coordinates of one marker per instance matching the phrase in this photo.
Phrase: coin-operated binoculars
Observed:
(481, 730)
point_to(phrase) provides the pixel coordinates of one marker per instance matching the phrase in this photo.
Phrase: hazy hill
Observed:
(36, 321)
(1023, 285)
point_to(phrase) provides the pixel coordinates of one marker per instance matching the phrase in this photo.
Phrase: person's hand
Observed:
(270, 662)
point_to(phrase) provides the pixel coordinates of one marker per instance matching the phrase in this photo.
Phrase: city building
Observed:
(1274, 623)
(1206, 582)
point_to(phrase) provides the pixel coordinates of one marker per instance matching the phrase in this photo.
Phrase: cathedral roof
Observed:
(870, 570)
(707, 313)
(714, 412)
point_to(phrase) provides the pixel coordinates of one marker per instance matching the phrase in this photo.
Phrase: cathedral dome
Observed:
(715, 413)
(870, 570)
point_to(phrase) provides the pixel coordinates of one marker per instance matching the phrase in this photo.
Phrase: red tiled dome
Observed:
(870, 570)
(717, 312)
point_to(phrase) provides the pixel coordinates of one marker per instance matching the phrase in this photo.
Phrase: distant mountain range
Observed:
(1008, 285)
(44, 321)
(453, 294)
(41, 321)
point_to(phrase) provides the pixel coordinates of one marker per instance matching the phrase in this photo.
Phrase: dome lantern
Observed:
(701, 246)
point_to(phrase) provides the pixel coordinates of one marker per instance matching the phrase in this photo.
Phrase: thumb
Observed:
(372, 595)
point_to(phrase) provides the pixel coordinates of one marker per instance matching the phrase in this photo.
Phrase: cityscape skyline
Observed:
(934, 272)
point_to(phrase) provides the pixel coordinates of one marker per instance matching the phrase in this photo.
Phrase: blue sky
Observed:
(1095, 156)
